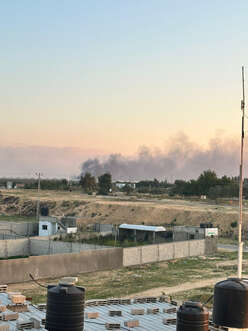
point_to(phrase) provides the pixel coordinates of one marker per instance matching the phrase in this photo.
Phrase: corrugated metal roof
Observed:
(33, 312)
(142, 227)
(148, 322)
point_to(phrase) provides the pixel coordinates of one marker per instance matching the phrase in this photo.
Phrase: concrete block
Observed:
(36, 322)
(10, 316)
(115, 313)
(169, 321)
(17, 298)
(131, 323)
(13, 293)
(92, 315)
(152, 310)
(113, 326)
(138, 311)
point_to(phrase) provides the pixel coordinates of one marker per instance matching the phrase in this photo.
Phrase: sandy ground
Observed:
(188, 285)
(175, 289)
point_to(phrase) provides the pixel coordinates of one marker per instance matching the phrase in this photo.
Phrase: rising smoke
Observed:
(182, 159)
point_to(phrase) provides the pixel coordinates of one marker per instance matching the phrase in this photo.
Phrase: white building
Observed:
(49, 226)
(193, 232)
(120, 184)
(9, 185)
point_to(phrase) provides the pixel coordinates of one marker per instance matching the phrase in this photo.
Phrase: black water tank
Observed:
(44, 211)
(192, 316)
(231, 303)
(65, 307)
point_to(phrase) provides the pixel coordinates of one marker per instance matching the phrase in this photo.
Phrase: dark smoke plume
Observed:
(182, 159)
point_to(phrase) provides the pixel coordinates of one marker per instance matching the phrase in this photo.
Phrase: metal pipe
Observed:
(240, 243)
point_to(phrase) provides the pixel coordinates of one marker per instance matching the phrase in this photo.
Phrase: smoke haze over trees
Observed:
(182, 159)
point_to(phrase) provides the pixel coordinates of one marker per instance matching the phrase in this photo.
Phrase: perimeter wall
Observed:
(170, 251)
(47, 266)
(58, 265)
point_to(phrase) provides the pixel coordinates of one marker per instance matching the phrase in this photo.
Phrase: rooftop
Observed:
(142, 227)
(148, 322)
(155, 312)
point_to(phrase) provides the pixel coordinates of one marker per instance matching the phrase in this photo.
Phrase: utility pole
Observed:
(240, 247)
(38, 200)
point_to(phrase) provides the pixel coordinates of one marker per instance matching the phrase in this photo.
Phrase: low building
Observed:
(9, 185)
(19, 185)
(181, 233)
(120, 185)
(49, 226)
(142, 233)
(104, 229)
(69, 224)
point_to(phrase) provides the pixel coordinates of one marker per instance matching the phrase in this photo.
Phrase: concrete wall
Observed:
(18, 270)
(35, 246)
(48, 247)
(14, 247)
(19, 228)
(88, 260)
(163, 252)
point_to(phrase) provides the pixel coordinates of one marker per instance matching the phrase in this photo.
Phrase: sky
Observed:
(89, 78)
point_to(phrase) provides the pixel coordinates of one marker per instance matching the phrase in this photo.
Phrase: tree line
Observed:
(210, 185)
(206, 184)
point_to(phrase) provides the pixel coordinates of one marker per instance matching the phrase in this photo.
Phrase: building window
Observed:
(58, 227)
(44, 227)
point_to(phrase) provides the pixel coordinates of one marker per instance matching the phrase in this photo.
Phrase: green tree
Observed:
(105, 184)
(88, 183)
(206, 180)
(128, 189)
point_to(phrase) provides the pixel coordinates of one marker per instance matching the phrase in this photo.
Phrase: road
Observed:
(231, 248)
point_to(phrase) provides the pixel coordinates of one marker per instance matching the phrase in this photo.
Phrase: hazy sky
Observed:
(108, 76)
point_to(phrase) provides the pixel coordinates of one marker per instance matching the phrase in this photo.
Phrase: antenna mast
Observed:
(240, 247)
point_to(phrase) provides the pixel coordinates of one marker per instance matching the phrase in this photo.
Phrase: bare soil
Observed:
(117, 210)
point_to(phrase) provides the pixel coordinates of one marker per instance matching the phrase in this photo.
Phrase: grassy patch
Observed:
(200, 295)
(230, 241)
(129, 280)
(15, 257)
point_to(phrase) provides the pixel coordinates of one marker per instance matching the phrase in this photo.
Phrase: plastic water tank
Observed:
(65, 307)
(231, 303)
(192, 316)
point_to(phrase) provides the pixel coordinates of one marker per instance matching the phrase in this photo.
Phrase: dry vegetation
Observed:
(153, 278)
(97, 209)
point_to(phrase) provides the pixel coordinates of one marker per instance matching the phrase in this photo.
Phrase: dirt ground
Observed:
(148, 280)
(121, 209)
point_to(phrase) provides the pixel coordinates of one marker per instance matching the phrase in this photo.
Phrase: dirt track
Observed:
(175, 289)
(188, 285)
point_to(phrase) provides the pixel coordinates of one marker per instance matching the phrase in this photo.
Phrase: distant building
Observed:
(49, 226)
(69, 223)
(19, 185)
(120, 184)
(104, 229)
(9, 185)
(181, 233)
(142, 232)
